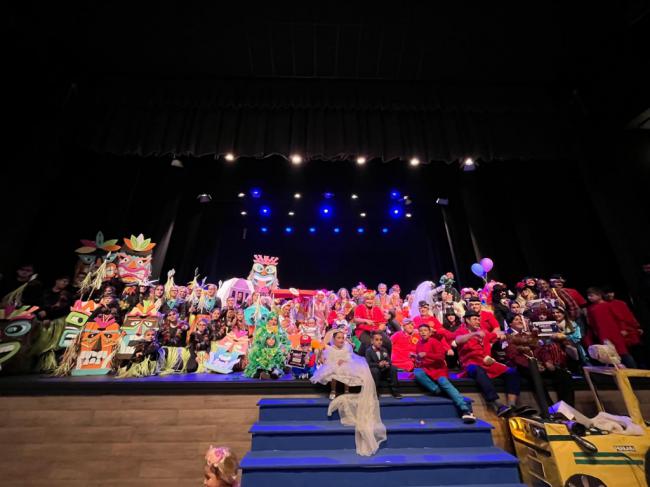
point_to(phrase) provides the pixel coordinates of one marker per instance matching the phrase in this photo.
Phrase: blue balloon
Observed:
(477, 269)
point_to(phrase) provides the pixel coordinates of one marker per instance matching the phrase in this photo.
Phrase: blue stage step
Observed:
(388, 468)
(402, 433)
(420, 407)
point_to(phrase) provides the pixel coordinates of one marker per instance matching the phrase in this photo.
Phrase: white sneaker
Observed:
(468, 417)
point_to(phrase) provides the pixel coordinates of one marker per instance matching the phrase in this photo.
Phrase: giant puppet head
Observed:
(99, 340)
(92, 254)
(264, 274)
(75, 321)
(140, 319)
(16, 331)
(134, 261)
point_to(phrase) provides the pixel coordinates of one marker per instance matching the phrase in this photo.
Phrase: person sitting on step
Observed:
(378, 358)
(474, 348)
(432, 374)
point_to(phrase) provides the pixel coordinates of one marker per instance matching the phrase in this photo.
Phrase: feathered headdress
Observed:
(139, 244)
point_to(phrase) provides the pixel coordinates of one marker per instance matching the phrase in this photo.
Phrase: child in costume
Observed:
(303, 360)
(404, 343)
(199, 346)
(147, 360)
(311, 328)
(268, 353)
(361, 410)
(221, 468)
(432, 371)
(173, 331)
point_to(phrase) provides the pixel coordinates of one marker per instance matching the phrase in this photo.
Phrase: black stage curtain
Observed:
(319, 119)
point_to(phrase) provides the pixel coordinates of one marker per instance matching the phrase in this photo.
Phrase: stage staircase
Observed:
(295, 444)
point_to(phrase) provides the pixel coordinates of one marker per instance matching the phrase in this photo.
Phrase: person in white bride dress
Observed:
(361, 410)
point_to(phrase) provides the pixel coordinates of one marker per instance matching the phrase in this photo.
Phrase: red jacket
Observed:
(628, 321)
(375, 314)
(606, 324)
(403, 345)
(474, 350)
(433, 363)
(489, 322)
(439, 331)
(577, 297)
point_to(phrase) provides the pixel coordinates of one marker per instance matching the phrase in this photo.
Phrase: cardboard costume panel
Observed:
(237, 288)
(92, 254)
(99, 341)
(140, 319)
(75, 321)
(264, 273)
(16, 334)
(134, 261)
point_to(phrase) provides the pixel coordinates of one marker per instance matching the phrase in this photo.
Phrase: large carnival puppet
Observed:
(91, 255)
(134, 261)
(264, 273)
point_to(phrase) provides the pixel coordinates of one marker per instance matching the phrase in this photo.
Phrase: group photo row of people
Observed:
(110, 318)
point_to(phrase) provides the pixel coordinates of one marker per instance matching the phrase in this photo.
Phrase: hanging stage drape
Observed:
(324, 119)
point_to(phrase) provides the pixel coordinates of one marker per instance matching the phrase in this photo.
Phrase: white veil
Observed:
(361, 410)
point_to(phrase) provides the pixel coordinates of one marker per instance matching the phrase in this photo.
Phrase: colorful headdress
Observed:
(134, 262)
(145, 308)
(90, 246)
(139, 244)
(369, 295)
(13, 313)
(265, 260)
(84, 307)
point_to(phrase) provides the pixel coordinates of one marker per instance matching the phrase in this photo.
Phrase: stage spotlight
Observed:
(264, 229)
(395, 195)
(395, 212)
(256, 192)
(468, 164)
(360, 230)
(362, 214)
(204, 198)
(361, 160)
(408, 215)
(326, 211)
(328, 196)
(243, 213)
(384, 230)
(414, 161)
(288, 229)
(265, 211)
(241, 195)
(291, 213)
(337, 230)
(442, 201)
(355, 196)
(297, 196)
(296, 159)
(229, 157)
(177, 163)
(312, 229)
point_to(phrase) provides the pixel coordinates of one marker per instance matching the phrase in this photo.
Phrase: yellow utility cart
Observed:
(559, 454)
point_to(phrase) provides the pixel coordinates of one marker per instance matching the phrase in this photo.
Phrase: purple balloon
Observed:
(478, 270)
(487, 264)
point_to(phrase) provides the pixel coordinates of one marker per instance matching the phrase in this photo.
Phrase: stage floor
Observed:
(207, 383)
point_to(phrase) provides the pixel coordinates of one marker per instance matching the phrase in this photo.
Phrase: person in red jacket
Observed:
(432, 371)
(474, 347)
(605, 324)
(426, 317)
(488, 322)
(632, 330)
(367, 318)
(404, 343)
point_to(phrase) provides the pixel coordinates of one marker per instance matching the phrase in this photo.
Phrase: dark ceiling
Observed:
(591, 47)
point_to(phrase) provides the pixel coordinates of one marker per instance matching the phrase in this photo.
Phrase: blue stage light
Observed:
(264, 229)
(326, 211)
(288, 229)
(265, 211)
(327, 195)
(360, 230)
(337, 230)
(384, 230)
(395, 212)
(312, 229)
(256, 192)
(395, 195)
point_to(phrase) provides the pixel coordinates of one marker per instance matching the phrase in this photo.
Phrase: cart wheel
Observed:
(583, 480)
